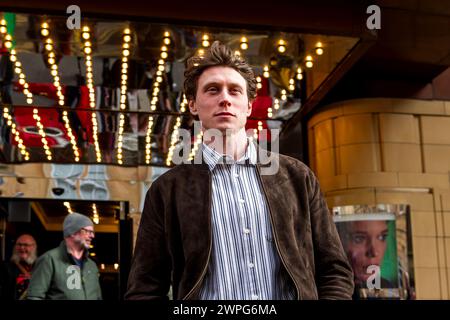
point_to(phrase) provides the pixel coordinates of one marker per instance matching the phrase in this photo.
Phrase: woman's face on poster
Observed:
(366, 246)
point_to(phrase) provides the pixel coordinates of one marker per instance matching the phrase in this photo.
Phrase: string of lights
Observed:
(51, 59)
(173, 141)
(155, 92)
(175, 137)
(42, 133)
(8, 43)
(16, 133)
(148, 149)
(87, 49)
(67, 205)
(95, 216)
(123, 90)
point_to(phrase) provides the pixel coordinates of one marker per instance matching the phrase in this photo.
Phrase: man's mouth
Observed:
(226, 114)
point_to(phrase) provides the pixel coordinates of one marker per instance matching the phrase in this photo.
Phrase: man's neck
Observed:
(233, 144)
(74, 249)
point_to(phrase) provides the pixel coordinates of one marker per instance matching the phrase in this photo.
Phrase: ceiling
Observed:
(51, 213)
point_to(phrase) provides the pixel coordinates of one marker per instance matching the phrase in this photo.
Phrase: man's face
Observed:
(221, 101)
(84, 237)
(25, 249)
(366, 247)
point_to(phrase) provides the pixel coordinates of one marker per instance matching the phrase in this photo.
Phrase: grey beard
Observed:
(82, 243)
(30, 260)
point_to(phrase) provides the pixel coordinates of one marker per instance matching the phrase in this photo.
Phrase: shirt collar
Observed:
(212, 157)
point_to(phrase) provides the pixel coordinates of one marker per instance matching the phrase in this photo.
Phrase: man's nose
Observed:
(225, 100)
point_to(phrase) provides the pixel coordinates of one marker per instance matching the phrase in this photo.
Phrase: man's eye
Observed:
(212, 89)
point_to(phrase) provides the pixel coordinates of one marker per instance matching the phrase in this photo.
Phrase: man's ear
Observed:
(193, 107)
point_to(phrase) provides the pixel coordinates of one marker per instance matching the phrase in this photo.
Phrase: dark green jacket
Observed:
(57, 277)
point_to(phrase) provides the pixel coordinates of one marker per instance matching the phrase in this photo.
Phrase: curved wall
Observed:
(369, 151)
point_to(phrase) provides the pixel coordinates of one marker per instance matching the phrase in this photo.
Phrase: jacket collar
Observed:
(65, 251)
(211, 157)
(200, 163)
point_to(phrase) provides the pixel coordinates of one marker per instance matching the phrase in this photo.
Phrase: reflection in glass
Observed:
(79, 80)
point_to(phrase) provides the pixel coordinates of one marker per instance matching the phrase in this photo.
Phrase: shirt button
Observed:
(246, 231)
(251, 265)
(241, 200)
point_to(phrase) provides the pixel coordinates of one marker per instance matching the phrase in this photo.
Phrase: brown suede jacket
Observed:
(174, 238)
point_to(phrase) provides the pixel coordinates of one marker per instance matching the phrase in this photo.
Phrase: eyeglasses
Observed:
(90, 232)
(26, 245)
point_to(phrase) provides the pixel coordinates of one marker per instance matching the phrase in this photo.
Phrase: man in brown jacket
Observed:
(221, 228)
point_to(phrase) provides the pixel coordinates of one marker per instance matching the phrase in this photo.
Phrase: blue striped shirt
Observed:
(244, 262)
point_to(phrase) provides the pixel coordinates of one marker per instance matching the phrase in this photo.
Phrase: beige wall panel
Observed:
(423, 223)
(328, 113)
(442, 259)
(358, 128)
(9, 187)
(358, 158)
(34, 188)
(323, 135)
(427, 180)
(447, 251)
(436, 158)
(447, 108)
(418, 106)
(401, 128)
(427, 283)
(444, 198)
(346, 198)
(400, 157)
(435, 130)
(417, 201)
(121, 190)
(446, 223)
(122, 173)
(443, 274)
(333, 183)
(35, 170)
(312, 149)
(325, 163)
(447, 272)
(377, 179)
(425, 252)
(367, 105)
(144, 173)
(438, 215)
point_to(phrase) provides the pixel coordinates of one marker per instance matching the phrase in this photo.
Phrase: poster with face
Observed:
(369, 240)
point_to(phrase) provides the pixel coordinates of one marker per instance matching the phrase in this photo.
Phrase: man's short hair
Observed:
(217, 55)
